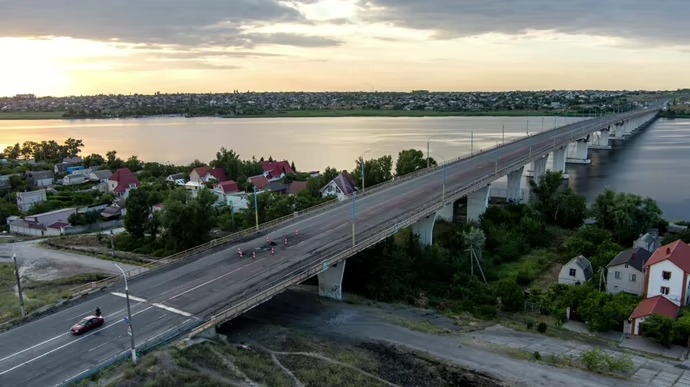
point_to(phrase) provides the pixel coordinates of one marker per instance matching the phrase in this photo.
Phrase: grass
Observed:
(419, 326)
(31, 116)
(317, 372)
(397, 113)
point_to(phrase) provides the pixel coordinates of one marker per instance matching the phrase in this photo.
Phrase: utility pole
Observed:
(503, 134)
(19, 282)
(128, 320)
(427, 153)
(256, 209)
(472, 142)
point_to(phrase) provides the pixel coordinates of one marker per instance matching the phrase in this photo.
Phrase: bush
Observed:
(530, 324)
(536, 355)
(485, 311)
(599, 361)
(541, 327)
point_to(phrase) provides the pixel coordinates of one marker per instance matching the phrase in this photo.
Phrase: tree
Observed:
(112, 161)
(511, 294)
(625, 215)
(73, 147)
(411, 160)
(188, 221)
(230, 162)
(558, 205)
(376, 171)
(138, 211)
(12, 152)
(93, 159)
(134, 164)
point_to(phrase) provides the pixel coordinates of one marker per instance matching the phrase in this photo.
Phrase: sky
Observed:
(79, 47)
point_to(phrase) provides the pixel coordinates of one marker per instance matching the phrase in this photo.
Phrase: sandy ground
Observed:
(38, 263)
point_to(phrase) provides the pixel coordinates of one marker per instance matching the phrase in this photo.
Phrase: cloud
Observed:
(178, 22)
(651, 22)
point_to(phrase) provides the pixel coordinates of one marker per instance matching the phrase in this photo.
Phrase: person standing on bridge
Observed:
(296, 232)
(253, 254)
(286, 241)
(273, 251)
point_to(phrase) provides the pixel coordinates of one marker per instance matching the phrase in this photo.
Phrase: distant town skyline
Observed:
(128, 46)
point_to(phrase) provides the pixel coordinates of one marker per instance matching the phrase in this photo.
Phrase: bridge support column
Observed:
(424, 228)
(578, 152)
(627, 128)
(602, 141)
(477, 203)
(514, 194)
(331, 281)
(559, 161)
(539, 167)
(446, 213)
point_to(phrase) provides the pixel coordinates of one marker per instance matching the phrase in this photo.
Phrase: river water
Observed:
(653, 163)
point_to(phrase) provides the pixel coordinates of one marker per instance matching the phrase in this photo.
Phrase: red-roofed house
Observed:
(666, 273)
(203, 175)
(260, 182)
(122, 181)
(227, 187)
(277, 169)
(296, 187)
(657, 305)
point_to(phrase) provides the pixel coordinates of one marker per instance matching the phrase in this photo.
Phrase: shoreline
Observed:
(28, 116)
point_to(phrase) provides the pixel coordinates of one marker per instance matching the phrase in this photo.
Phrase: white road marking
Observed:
(64, 345)
(131, 297)
(216, 279)
(171, 309)
(96, 347)
(32, 347)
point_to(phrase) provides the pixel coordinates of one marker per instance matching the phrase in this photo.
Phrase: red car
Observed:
(86, 324)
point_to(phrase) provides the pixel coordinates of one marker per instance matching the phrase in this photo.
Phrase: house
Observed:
(64, 167)
(45, 224)
(101, 175)
(237, 201)
(26, 200)
(206, 174)
(649, 241)
(296, 187)
(40, 178)
(116, 209)
(577, 271)
(277, 169)
(175, 177)
(340, 187)
(5, 182)
(227, 187)
(625, 272)
(260, 182)
(72, 160)
(121, 181)
(73, 179)
(657, 305)
(667, 273)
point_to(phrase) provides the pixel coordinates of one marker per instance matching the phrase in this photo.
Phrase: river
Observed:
(653, 163)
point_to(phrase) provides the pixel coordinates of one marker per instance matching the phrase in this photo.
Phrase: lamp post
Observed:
(471, 142)
(443, 187)
(112, 244)
(427, 153)
(256, 209)
(130, 330)
(19, 282)
(354, 218)
(361, 161)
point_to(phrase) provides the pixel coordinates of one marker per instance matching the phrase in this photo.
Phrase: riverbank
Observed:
(321, 114)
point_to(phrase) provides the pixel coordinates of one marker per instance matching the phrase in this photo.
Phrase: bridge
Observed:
(193, 295)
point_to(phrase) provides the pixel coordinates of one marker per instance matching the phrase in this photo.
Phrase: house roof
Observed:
(658, 305)
(636, 257)
(58, 225)
(111, 211)
(260, 181)
(345, 182)
(277, 186)
(584, 264)
(218, 173)
(102, 174)
(124, 177)
(677, 252)
(201, 171)
(39, 175)
(276, 168)
(228, 186)
(176, 176)
(296, 187)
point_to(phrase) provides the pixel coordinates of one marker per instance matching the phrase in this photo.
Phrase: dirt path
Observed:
(43, 264)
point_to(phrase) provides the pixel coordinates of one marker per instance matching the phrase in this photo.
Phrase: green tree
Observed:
(138, 211)
(73, 147)
(659, 328)
(93, 159)
(188, 221)
(625, 215)
(230, 162)
(558, 205)
(112, 161)
(376, 171)
(12, 152)
(411, 160)
(134, 164)
(511, 294)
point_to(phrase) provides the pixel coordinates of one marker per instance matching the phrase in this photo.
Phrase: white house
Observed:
(26, 200)
(41, 178)
(73, 179)
(625, 272)
(238, 201)
(577, 271)
(342, 186)
(667, 273)
(45, 224)
(657, 305)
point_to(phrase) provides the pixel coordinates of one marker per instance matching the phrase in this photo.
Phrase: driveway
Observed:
(38, 263)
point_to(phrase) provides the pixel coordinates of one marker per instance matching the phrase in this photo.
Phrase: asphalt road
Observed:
(42, 353)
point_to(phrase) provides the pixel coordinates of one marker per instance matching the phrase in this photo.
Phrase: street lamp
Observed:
(256, 209)
(128, 320)
(361, 161)
(112, 244)
(443, 189)
(354, 211)
(19, 282)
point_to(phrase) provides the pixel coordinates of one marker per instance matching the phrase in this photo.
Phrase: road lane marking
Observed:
(171, 309)
(96, 347)
(66, 345)
(216, 279)
(32, 347)
(131, 297)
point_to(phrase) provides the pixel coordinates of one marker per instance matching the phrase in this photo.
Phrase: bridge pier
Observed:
(477, 203)
(559, 161)
(602, 140)
(514, 193)
(331, 281)
(539, 167)
(424, 228)
(577, 152)
(446, 213)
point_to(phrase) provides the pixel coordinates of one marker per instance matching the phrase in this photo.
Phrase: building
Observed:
(115, 210)
(277, 169)
(667, 273)
(74, 179)
(40, 178)
(45, 224)
(5, 182)
(122, 181)
(101, 175)
(577, 271)
(63, 167)
(26, 200)
(625, 272)
(657, 305)
(237, 201)
(341, 186)
(203, 175)
(227, 187)
(176, 178)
